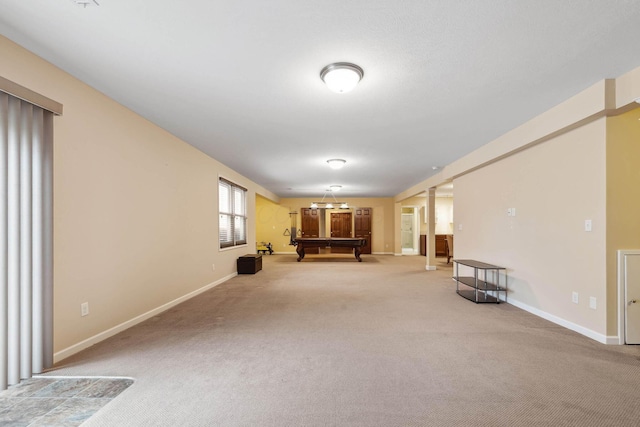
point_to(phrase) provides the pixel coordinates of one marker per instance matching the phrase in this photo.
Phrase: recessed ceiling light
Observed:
(341, 77)
(336, 163)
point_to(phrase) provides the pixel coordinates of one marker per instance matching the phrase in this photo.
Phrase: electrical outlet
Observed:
(574, 297)
(213, 267)
(592, 302)
(587, 225)
(84, 309)
(459, 227)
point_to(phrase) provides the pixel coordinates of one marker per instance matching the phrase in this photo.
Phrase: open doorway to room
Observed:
(410, 231)
(444, 221)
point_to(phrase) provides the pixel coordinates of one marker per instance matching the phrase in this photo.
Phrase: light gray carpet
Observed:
(377, 343)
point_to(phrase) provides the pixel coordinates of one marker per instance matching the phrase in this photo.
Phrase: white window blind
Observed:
(26, 239)
(233, 214)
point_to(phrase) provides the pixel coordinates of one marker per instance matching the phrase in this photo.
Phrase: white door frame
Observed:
(415, 228)
(622, 297)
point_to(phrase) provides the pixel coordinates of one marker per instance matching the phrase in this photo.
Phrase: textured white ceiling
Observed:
(240, 79)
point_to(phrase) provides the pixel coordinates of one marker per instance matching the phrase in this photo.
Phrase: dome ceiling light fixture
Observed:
(335, 187)
(336, 163)
(341, 77)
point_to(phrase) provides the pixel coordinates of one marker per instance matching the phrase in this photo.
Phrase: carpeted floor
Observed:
(377, 343)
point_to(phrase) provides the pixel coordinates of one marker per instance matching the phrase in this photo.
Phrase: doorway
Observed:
(629, 296)
(409, 231)
(310, 222)
(341, 227)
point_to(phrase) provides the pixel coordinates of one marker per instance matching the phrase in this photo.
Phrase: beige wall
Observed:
(135, 209)
(444, 215)
(554, 186)
(273, 219)
(587, 171)
(623, 203)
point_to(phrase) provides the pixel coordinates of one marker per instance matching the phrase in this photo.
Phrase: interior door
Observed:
(310, 226)
(362, 227)
(341, 227)
(632, 301)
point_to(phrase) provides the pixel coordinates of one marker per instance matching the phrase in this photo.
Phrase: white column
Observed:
(397, 220)
(4, 112)
(431, 234)
(13, 243)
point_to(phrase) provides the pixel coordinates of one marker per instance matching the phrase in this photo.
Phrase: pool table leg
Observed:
(300, 250)
(356, 252)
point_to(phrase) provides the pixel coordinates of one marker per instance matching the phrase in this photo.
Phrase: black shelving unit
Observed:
(479, 288)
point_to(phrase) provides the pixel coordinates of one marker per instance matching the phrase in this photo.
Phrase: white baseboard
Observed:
(430, 267)
(382, 253)
(63, 354)
(604, 339)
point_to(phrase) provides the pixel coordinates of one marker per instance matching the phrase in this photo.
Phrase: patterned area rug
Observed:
(57, 401)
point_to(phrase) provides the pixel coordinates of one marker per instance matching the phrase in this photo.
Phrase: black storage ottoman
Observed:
(249, 264)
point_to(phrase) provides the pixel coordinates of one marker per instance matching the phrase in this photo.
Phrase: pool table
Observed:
(330, 242)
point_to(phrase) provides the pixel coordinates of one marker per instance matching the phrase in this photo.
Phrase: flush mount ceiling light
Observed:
(336, 163)
(341, 77)
(335, 187)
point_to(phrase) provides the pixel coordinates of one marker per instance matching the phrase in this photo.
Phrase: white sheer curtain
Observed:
(26, 239)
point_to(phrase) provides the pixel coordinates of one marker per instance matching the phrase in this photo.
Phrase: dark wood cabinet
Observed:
(441, 245)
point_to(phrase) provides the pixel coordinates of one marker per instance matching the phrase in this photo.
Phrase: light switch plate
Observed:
(587, 225)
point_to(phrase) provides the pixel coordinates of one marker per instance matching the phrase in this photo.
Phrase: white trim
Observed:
(229, 248)
(604, 339)
(383, 253)
(430, 267)
(69, 351)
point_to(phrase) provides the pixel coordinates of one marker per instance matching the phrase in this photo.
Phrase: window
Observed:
(233, 214)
